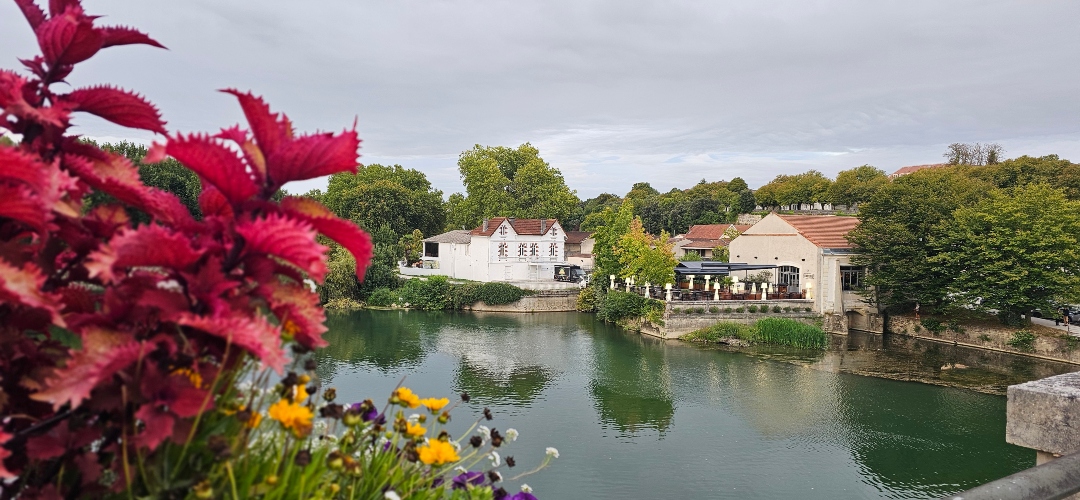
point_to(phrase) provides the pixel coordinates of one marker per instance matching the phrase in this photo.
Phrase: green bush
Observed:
(1071, 342)
(676, 310)
(1022, 340)
(933, 325)
(714, 309)
(727, 310)
(808, 309)
(586, 299)
(719, 331)
(432, 294)
(985, 338)
(752, 308)
(496, 293)
(918, 328)
(783, 331)
(776, 309)
(381, 297)
(739, 309)
(688, 310)
(618, 306)
(699, 310)
(787, 309)
(956, 327)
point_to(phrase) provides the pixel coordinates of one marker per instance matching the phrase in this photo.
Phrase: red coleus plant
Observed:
(112, 334)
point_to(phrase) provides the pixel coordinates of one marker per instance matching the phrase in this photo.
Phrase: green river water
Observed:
(636, 417)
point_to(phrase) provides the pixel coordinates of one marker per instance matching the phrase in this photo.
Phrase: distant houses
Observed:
(914, 168)
(701, 239)
(503, 249)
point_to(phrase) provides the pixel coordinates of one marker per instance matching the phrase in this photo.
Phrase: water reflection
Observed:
(630, 385)
(388, 341)
(520, 384)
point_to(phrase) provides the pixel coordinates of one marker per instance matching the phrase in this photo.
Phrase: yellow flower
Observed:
(405, 397)
(192, 376)
(414, 430)
(438, 453)
(299, 393)
(292, 416)
(254, 421)
(435, 404)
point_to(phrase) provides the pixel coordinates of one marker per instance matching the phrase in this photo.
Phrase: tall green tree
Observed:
(168, 175)
(647, 258)
(856, 185)
(895, 232)
(1012, 252)
(613, 224)
(1025, 170)
(512, 182)
(394, 196)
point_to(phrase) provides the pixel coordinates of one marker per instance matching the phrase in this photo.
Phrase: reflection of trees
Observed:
(387, 340)
(630, 385)
(519, 385)
(963, 447)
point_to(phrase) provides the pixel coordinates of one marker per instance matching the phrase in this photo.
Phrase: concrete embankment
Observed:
(681, 318)
(1049, 344)
(541, 301)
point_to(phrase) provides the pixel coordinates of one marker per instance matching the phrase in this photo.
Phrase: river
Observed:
(636, 417)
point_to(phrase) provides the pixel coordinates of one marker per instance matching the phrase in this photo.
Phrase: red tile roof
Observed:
(706, 244)
(521, 226)
(575, 237)
(706, 231)
(915, 168)
(825, 231)
(741, 228)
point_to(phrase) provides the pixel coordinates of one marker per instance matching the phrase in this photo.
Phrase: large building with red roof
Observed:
(812, 254)
(500, 249)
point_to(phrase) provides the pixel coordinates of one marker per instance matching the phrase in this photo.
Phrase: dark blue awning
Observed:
(714, 268)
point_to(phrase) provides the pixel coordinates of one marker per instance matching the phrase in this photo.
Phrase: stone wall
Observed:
(679, 323)
(547, 301)
(991, 335)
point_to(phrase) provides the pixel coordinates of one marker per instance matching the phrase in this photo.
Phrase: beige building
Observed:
(579, 249)
(812, 254)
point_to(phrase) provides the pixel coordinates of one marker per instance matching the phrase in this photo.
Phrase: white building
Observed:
(501, 249)
(813, 255)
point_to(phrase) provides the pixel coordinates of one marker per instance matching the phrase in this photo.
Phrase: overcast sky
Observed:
(612, 92)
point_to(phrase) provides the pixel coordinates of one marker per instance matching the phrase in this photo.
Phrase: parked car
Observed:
(571, 274)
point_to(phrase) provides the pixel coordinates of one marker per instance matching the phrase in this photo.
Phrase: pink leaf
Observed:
(21, 204)
(253, 334)
(147, 245)
(34, 15)
(271, 130)
(4, 453)
(216, 164)
(22, 167)
(68, 38)
(289, 239)
(23, 286)
(298, 310)
(122, 35)
(57, 7)
(346, 233)
(104, 353)
(314, 156)
(157, 425)
(118, 106)
(13, 101)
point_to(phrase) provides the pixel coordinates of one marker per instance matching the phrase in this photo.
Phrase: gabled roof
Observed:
(915, 168)
(741, 228)
(705, 244)
(825, 231)
(575, 237)
(706, 231)
(455, 236)
(521, 226)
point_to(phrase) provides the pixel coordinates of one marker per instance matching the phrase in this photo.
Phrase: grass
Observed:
(772, 331)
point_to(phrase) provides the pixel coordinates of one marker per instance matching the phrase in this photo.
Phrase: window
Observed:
(851, 277)
(521, 250)
(788, 275)
(503, 250)
(534, 250)
(554, 231)
(431, 249)
(554, 250)
(502, 230)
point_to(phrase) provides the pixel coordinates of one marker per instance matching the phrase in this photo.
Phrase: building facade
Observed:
(500, 249)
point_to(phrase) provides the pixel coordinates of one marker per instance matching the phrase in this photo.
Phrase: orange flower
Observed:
(404, 396)
(292, 416)
(414, 430)
(438, 453)
(435, 404)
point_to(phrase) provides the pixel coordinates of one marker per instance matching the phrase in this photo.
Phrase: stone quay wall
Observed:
(542, 301)
(683, 317)
(992, 336)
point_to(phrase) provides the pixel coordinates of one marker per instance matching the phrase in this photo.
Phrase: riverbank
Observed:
(988, 334)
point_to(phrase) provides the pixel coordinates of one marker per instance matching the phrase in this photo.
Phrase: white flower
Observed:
(460, 470)
(495, 459)
(392, 495)
(526, 488)
(456, 445)
(511, 435)
(484, 431)
(552, 452)
(170, 286)
(414, 418)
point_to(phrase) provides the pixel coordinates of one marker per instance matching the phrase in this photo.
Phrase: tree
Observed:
(895, 230)
(973, 154)
(168, 175)
(1025, 170)
(611, 227)
(648, 259)
(856, 185)
(377, 195)
(412, 245)
(511, 182)
(1013, 251)
(807, 187)
(737, 185)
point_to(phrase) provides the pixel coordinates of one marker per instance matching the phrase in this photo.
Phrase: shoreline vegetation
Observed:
(769, 331)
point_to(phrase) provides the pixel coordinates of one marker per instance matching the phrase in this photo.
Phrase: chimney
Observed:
(542, 221)
(485, 226)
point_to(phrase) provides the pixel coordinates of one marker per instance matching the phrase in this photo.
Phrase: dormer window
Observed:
(502, 230)
(554, 231)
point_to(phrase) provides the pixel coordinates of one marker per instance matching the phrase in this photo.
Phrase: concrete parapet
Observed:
(1044, 415)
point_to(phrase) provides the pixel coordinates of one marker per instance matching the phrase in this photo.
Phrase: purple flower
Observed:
(476, 478)
(367, 411)
(523, 495)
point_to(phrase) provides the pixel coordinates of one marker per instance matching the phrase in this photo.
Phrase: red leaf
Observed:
(271, 130)
(57, 7)
(21, 204)
(213, 203)
(289, 239)
(34, 15)
(23, 286)
(147, 245)
(216, 164)
(12, 100)
(4, 453)
(252, 153)
(104, 353)
(314, 156)
(157, 425)
(122, 35)
(59, 440)
(346, 233)
(68, 38)
(298, 310)
(22, 167)
(118, 106)
(254, 334)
